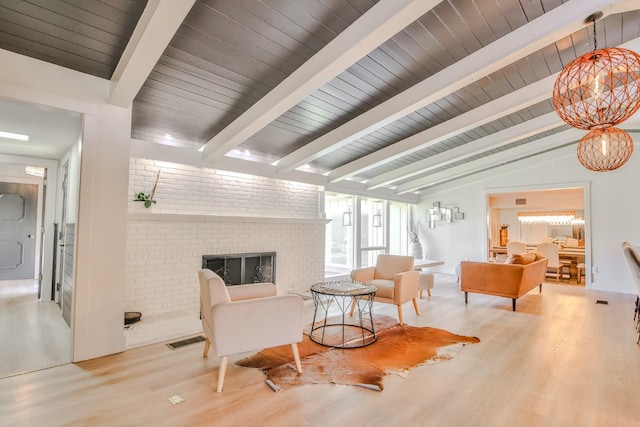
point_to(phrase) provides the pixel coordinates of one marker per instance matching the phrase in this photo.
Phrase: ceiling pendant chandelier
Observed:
(605, 149)
(596, 92)
(598, 89)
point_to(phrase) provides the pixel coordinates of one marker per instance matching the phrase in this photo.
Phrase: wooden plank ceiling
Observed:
(464, 85)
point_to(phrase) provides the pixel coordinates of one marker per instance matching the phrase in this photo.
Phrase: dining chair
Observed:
(550, 250)
(581, 271)
(516, 248)
(632, 258)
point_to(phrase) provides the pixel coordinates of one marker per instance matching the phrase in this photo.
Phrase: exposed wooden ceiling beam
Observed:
(156, 27)
(494, 109)
(494, 160)
(377, 25)
(490, 142)
(552, 26)
(515, 101)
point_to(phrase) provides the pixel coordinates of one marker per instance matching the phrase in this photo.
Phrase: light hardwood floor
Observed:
(33, 334)
(560, 360)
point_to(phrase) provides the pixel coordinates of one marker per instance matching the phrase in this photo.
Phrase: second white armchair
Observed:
(242, 318)
(395, 278)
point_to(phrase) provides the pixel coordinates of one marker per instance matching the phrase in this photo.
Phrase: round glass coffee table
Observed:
(333, 325)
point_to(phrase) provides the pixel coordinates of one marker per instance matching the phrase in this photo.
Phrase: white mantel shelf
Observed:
(151, 216)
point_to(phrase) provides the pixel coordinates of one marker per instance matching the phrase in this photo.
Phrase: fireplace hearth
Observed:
(240, 269)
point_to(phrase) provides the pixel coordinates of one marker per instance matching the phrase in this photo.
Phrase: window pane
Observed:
(338, 237)
(371, 224)
(369, 257)
(398, 228)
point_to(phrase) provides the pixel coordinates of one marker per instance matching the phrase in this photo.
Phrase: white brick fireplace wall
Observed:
(203, 211)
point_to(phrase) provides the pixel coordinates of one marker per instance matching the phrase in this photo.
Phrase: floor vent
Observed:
(601, 301)
(183, 343)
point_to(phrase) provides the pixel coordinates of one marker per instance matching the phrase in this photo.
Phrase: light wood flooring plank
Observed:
(560, 360)
(33, 334)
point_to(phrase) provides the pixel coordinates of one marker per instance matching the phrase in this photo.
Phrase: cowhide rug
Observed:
(398, 349)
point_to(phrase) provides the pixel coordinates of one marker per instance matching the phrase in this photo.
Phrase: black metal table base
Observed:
(351, 331)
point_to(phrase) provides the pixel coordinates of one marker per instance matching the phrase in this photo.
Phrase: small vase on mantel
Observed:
(415, 250)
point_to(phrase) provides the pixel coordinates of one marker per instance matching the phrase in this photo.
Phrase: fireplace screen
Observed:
(240, 269)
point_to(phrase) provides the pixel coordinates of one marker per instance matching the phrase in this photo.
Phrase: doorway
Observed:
(32, 330)
(529, 215)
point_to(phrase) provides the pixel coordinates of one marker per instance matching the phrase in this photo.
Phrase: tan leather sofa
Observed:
(517, 276)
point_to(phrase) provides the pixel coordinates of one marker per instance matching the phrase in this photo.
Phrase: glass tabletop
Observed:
(343, 287)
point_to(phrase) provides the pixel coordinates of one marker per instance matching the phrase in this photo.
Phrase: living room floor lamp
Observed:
(596, 92)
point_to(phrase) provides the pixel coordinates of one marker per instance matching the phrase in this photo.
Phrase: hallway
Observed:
(33, 334)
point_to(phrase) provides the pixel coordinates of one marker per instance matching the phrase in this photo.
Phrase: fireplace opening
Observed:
(241, 269)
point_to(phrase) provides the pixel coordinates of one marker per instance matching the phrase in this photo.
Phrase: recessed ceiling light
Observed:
(35, 171)
(11, 135)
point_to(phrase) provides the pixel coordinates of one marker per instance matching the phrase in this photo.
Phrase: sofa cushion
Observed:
(524, 259)
(539, 255)
(385, 287)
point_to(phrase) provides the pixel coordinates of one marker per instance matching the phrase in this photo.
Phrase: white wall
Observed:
(101, 234)
(202, 211)
(612, 211)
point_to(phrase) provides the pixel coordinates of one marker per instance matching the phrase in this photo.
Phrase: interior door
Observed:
(18, 211)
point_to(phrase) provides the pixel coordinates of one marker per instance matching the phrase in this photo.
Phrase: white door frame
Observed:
(586, 191)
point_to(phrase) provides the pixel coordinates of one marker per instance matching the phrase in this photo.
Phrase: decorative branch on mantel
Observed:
(145, 197)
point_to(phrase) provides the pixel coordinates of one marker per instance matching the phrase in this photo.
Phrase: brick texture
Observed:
(164, 256)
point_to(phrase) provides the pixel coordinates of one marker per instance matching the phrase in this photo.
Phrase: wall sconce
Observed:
(377, 219)
(438, 213)
(346, 217)
(457, 215)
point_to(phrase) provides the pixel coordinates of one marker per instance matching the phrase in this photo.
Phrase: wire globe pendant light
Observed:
(598, 89)
(596, 92)
(605, 149)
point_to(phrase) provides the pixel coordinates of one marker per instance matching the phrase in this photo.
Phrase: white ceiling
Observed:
(51, 131)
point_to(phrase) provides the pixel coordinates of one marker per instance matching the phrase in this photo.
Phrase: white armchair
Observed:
(242, 318)
(395, 278)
